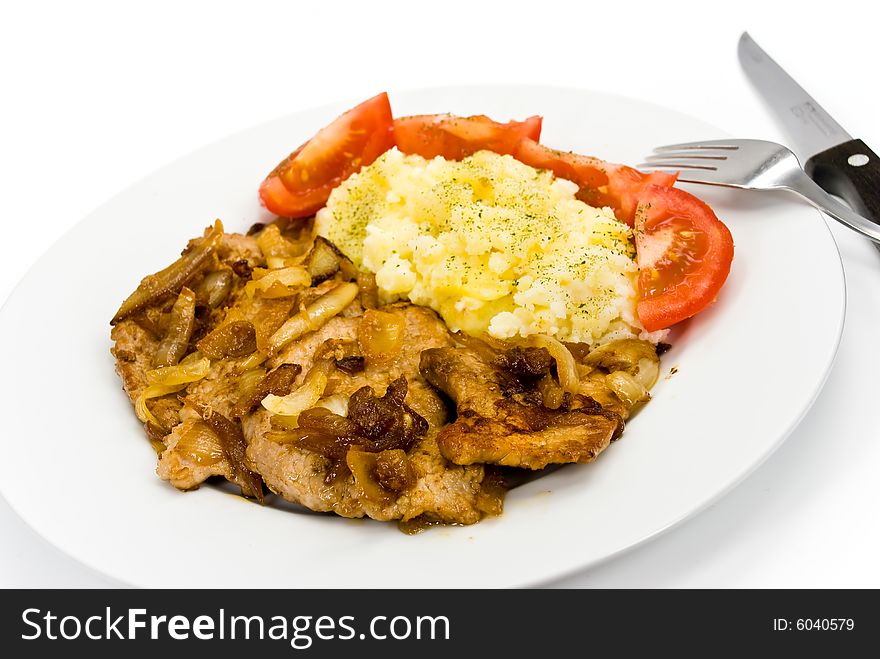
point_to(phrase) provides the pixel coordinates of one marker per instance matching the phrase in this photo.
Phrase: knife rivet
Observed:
(857, 159)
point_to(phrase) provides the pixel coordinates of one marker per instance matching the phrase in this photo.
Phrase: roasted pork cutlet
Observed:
(500, 419)
(194, 428)
(440, 490)
(266, 360)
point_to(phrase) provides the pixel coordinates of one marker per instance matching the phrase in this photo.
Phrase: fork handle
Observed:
(804, 186)
(852, 172)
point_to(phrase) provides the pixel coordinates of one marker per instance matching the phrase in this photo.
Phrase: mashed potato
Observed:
(491, 244)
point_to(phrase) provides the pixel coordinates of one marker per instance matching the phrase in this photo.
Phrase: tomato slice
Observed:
(584, 170)
(601, 183)
(623, 191)
(454, 138)
(301, 184)
(684, 255)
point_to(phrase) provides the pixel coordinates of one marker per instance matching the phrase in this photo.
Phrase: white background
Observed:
(95, 95)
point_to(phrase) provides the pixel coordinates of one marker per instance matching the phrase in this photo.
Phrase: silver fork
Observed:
(753, 165)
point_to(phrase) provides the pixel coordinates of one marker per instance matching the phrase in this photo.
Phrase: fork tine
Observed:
(681, 163)
(691, 155)
(726, 145)
(687, 175)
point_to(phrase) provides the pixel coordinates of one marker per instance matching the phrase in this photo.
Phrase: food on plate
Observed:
(601, 184)
(491, 244)
(456, 315)
(363, 410)
(684, 255)
(301, 183)
(454, 138)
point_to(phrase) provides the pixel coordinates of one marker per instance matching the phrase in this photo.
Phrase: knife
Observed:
(841, 165)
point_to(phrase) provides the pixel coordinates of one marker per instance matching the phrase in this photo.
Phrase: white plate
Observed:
(77, 468)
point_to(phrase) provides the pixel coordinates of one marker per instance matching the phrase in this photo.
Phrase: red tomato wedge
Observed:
(454, 138)
(583, 170)
(684, 255)
(602, 183)
(301, 184)
(623, 191)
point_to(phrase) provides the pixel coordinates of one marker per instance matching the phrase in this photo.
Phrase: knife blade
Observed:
(843, 166)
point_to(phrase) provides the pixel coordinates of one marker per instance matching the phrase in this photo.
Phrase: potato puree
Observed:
(490, 244)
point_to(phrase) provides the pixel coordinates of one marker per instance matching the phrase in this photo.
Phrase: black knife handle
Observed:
(852, 172)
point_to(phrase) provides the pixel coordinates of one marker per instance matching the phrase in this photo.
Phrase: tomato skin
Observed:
(279, 200)
(302, 182)
(684, 255)
(625, 186)
(454, 138)
(601, 183)
(583, 170)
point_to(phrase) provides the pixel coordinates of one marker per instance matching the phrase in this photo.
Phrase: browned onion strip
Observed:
(278, 250)
(214, 288)
(282, 282)
(180, 328)
(314, 315)
(566, 368)
(305, 396)
(235, 339)
(234, 447)
(381, 476)
(201, 445)
(169, 280)
(552, 394)
(323, 261)
(278, 382)
(369, 291)
(380, 335)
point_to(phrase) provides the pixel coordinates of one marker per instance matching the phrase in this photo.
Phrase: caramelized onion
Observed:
(235, 339)
(200, 444)
(566, 368)
(283, 282)
(368, 290)
(278, 251)
(525, 364)
(362, 466)
(251, 362)
(168, 281)
(323, 260)
(351, 364)
(648, 373)
(278, 383)
(552, 395)
(180, 328)
(234, 447)
(633, 356)
(381, 476)
(190, 370)
(305, 396)
(387, 421)
(337, 403)
(314, 315)
(324, 420)
(242, 268)
(380, 335)
(214, 288)
(269, 316)
(394, 471)
(154, 391)
(248, 381)
(627, 388)
(373, 424)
